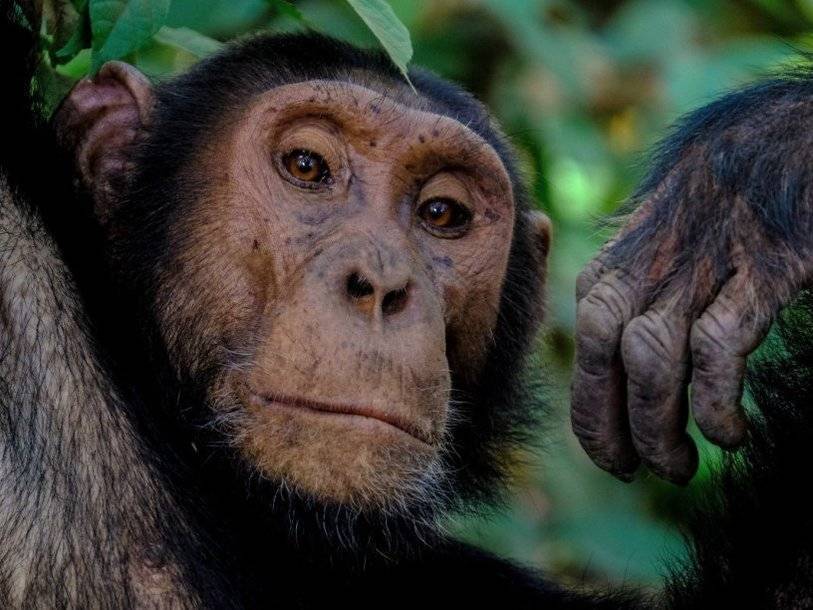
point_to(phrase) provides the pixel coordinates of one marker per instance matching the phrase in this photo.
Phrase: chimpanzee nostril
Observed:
(358, 287)
(372, 298)
(394, 301)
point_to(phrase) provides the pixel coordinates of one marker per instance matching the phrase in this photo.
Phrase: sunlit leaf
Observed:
(77, 67)
(80, 38)
(120, 27)
(188, 40)
(64, 23)
(287, 9)
(384, 23)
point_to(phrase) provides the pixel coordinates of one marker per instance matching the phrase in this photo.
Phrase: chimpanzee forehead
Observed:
(385, 115)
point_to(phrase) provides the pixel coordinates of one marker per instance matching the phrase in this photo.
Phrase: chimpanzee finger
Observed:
(598, 415)
(589, 277)
(721, 339)
(654, 349)
(594, 271)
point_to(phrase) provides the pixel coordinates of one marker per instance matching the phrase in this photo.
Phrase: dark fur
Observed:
(84, 498)
(242, 542)
(498, 413)
(748, 156)
(743, 165)
(751, 541)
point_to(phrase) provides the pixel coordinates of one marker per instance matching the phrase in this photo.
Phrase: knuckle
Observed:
(708, 335)
(587, 278)
(597, 331)
(731, 328)
(729, 309)
(614, 295)
(648, 346)
(646, 389)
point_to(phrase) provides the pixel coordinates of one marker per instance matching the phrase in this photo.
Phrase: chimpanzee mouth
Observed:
(393, 420)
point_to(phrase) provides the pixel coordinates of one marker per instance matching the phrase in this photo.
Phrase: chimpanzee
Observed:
(264, 324)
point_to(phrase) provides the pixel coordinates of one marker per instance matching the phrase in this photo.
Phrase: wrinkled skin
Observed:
(323, 308)
(291, 253)
(720, 241)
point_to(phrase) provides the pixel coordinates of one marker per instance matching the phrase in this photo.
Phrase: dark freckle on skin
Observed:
(372, 144)
(435, 133)
(256, 245)
(444, 261)
(422, 139)
(375, 109)
(317, 252)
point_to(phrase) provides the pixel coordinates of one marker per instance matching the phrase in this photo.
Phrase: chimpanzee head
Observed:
(343, 270)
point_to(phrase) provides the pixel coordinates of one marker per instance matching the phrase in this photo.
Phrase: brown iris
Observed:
(445, 216)
(307, 166)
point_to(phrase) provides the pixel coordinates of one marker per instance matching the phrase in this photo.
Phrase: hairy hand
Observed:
(671, 308)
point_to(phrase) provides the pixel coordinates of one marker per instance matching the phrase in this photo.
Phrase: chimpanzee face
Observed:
(338, 259)
(341, 239)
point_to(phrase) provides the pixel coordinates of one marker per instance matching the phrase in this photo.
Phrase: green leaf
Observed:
(78, 67)
(51, 86)
(120, 27)
(188, 40)
(60, 19)
(384, 23)
(79, 39)
(65, 29)
(286, 9)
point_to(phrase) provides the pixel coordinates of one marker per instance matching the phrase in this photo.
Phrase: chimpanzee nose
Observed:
(375, 297)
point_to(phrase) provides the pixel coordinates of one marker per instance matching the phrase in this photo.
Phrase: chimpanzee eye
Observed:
(307, 166)
(445, 217)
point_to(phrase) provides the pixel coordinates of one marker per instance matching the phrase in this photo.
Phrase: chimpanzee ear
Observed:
(541, 230)
(539, 226)
(98, 122)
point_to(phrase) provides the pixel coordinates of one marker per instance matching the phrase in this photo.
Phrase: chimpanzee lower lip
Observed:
(391, 419)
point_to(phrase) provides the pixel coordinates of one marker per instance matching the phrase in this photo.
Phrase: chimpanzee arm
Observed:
(721, 239)
(87, 518)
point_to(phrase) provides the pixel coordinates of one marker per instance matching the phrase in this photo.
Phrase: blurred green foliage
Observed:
(584, 89)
